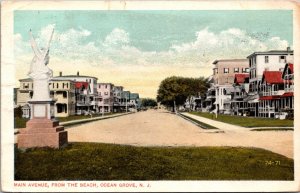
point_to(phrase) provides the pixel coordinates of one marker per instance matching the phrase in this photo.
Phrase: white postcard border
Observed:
(8, 82)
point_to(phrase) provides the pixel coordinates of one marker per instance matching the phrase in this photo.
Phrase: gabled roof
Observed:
(240, 78)
(272, 77)
(288, 66)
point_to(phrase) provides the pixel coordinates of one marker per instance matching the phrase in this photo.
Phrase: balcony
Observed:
(238, 96)
(82, 103)
(289, 89)
(266, 109)
(211, 97)
(271, 93)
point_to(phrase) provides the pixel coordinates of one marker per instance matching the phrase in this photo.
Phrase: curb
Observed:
(217, 130)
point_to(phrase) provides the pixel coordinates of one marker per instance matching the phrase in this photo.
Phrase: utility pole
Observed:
(102, 106)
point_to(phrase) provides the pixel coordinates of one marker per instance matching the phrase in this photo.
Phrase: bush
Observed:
(18, 112)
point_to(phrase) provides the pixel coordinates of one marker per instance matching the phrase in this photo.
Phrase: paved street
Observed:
(161, 128)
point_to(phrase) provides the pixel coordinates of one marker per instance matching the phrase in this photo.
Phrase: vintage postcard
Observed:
(130, 96)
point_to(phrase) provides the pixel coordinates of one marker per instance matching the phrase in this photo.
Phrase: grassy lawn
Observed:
(247, 121)
(21, 122)
(201, 124)
(95, 161)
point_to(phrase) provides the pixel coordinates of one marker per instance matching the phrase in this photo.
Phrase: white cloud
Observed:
(117, 37)
(115, 49)
(73, 50)
(230, 43)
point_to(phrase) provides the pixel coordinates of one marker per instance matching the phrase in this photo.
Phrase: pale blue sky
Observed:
(138, 49)
(158, 30)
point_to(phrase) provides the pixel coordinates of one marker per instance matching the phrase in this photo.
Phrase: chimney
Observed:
(77, 73)
(289, 58)
(60, 73)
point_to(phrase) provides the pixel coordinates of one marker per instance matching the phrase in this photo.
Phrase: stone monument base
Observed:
(42, 132)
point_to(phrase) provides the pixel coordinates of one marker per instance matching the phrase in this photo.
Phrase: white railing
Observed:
(271, 93)
(266, 109)
(235, 96)
(289, 89)
(211, 96)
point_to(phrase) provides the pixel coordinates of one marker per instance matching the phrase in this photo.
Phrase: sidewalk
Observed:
(221, 125)
(79, 121)
(69, 123)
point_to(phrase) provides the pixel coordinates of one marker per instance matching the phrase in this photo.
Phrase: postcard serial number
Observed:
(271, 162)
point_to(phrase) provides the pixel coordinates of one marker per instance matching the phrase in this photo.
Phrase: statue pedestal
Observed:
(42, 130)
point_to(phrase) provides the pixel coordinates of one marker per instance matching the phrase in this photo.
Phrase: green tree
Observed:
(18, 112)
(178, 89)
(148, 102)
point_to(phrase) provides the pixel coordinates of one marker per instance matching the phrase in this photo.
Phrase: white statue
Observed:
(39, 68)
(39, 71)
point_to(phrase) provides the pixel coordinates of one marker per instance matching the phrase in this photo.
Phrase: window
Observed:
(236, 70)
(266, 59)
(56, 85)
(226, 80)
(25, 85)
(215, 70)
(52, 85)
(282, 59)
(105, 93)
(226, 70)
(106, 86)
(67, 85)
(65, 94)
(245, 70)
(31, 94)
(63, 85)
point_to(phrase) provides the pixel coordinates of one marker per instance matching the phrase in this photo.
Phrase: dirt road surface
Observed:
(161, 128)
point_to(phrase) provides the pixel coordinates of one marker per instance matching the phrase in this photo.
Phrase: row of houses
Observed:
(78, 94)
(261, 86)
